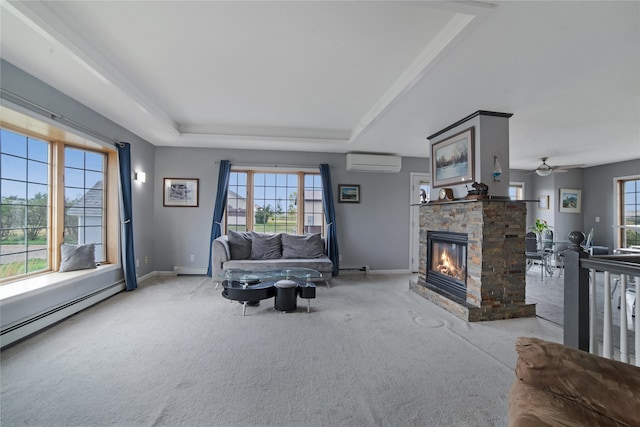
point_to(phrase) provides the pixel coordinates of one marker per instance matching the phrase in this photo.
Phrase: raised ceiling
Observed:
(362, 76)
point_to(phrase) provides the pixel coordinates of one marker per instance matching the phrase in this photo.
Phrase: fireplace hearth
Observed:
(472, 258)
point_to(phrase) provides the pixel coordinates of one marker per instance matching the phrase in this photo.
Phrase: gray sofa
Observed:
(260, 251)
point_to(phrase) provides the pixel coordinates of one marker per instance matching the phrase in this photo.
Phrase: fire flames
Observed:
(448, 267)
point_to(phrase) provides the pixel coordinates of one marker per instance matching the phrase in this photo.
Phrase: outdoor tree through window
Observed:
(28, 234)
(275, 202)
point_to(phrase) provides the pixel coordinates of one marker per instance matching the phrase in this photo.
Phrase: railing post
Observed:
(576, 295)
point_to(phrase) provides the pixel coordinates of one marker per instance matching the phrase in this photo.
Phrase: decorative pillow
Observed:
(239, 244)
(265, 246)
(307, 246)
(77, 257)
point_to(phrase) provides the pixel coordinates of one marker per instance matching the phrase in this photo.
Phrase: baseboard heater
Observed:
(36, 323)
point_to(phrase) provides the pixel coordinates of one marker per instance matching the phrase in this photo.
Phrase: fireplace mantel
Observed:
(495, 282)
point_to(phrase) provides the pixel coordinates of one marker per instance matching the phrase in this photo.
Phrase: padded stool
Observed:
(286, 295)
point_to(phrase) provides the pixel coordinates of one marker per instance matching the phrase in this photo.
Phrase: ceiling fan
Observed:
(544, 169)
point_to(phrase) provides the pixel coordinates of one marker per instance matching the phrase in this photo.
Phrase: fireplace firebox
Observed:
(447, 262)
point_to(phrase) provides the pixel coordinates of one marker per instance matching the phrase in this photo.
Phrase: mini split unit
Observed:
(373, 163)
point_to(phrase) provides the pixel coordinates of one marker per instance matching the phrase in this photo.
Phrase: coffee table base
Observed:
(247, 294)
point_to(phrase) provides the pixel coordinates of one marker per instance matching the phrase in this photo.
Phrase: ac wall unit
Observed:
(373, 163)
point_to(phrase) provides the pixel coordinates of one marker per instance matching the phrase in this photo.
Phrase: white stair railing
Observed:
(582, 307)
(624, 282)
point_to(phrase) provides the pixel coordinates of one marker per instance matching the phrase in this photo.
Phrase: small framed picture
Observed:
(543, 202)
(348, 193)
(180, 192)
(570, 200)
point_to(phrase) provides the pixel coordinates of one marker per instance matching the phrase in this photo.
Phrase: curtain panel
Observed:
(219, 207)
(330, 216)
(126, 241)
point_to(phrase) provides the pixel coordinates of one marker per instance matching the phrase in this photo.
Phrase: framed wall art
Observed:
(570, 200)
(180, 192)
(543, 202)
(348, 193)
(452, 159)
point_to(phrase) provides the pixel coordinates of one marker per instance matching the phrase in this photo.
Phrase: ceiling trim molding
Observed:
(41, 19)
(415, 72)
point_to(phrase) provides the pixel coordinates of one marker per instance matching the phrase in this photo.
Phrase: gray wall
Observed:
(374, 232)
(598, 199)
(26, 86)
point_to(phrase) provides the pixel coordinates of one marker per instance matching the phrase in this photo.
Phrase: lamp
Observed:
(497, 169)
(141, 177)
(542, 171)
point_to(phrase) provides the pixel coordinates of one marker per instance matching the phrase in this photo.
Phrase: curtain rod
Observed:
(273, 165)
(56, 117)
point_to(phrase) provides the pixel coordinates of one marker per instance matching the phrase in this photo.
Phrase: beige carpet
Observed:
(175, 352)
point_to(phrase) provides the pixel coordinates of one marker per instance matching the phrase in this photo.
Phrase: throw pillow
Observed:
(307, 246)
(239, 244)
(77, 257)
(266, 246)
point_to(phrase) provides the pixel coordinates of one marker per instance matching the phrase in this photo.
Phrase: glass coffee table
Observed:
(249, 287)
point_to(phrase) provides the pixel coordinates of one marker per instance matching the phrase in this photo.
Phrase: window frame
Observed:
(619, 182)
(519, 186)
(301, 213)
(58, 139)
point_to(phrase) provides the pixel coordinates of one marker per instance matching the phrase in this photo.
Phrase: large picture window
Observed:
(51, 193)
(629, 219)
(275, 202)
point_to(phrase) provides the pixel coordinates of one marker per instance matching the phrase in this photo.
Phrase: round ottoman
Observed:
(286, 295)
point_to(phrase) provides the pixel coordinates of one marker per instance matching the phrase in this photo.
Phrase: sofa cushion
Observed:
(73, 257)
(266, 246)
(239, 244)
(302, 247)
(606, 386)
(530, 406)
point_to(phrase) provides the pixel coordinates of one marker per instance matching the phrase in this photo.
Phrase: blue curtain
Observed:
(221, 203)
(128, 257)
(330, 216)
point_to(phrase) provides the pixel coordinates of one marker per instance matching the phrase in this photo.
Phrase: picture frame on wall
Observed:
(570, 200)
(452, 159)
(348, 193)
(543, 202)
(180, 192)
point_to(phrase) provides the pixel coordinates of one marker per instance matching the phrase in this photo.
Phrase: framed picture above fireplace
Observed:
(452, 159)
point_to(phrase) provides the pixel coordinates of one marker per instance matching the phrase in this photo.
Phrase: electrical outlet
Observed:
(339, 257)
(193, 257)
(146, 260)
(137, 263)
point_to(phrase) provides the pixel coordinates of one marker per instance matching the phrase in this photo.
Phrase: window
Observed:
(629, 211)
(24, 185)
(84, 198)
(516, 190)
(42, 208)
(275, 202)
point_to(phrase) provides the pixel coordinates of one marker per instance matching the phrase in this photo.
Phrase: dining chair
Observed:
(532, 253)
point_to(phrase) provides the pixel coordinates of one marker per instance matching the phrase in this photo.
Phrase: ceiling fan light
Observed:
(544, 172)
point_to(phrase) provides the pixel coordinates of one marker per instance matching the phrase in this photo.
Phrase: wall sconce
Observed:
(141, 177)
(497, 169)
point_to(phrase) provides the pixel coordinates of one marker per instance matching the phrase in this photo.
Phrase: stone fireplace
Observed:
(472, 258)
